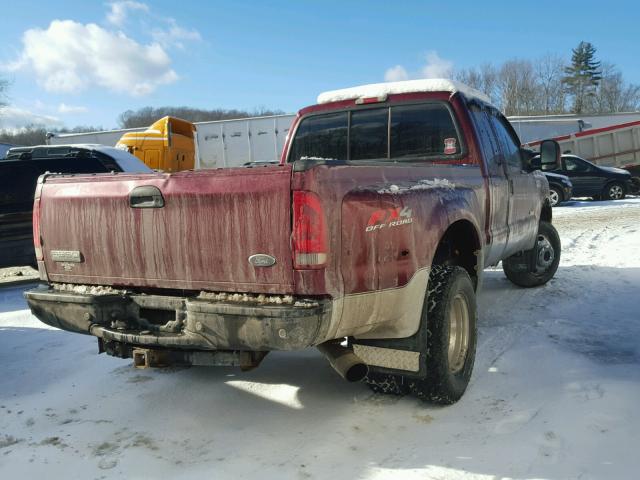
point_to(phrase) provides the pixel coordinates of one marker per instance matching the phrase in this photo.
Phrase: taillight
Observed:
(37, 242)
(309, 231)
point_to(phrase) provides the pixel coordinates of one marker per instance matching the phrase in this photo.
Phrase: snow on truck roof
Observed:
(408, 86)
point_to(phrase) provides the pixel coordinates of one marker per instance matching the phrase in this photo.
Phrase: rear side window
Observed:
(401, 132)
(321, 137)
(423, 131)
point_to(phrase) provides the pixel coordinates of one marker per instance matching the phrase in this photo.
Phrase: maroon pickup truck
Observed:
(368, 240)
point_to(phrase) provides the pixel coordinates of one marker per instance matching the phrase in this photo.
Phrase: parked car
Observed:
(589, 180)
(19, 173)
(375, 228)
(560, 188)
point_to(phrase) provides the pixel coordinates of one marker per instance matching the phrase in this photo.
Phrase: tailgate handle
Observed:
(147, 196)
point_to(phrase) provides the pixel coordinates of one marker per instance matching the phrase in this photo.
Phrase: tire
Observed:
(450, 302)
(614, 191)
(385, 383)
(545, 255)
(555, 196)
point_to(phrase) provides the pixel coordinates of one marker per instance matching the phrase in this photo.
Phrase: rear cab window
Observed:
(424, 131)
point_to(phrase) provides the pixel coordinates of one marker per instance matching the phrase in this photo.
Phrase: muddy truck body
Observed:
(368, 240)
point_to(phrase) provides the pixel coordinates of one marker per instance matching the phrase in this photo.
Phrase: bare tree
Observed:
(549, 70)
(612, 94)
(517, 87)
(483, 78)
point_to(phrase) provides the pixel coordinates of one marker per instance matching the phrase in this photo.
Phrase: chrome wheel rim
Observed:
(615, 192)
(546, 254)
(554, 198)
(458, 333)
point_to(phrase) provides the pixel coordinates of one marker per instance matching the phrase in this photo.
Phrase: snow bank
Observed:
(408, 86)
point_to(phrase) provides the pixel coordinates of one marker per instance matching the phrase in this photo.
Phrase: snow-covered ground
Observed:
(554, 393)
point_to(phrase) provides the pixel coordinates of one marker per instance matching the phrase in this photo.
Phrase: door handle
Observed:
(146, 196)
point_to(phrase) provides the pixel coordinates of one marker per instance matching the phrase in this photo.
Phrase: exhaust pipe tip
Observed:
(348, 365)
(357, 372)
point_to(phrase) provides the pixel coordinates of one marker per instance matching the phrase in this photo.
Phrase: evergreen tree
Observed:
(582, 76)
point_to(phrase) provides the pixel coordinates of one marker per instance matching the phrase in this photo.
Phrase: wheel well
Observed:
(460, 245)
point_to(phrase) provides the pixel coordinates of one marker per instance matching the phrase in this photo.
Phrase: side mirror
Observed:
(549, 155)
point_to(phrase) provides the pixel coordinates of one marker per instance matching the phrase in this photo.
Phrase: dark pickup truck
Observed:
(19, 173)
(368, 240)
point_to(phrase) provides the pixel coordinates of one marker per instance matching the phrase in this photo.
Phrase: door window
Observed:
(488, 143)
(508, 144)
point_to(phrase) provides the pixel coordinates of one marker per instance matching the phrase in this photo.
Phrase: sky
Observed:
(74, 63)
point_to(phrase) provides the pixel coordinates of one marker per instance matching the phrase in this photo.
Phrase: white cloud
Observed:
(120, 10)
(14, 118)
(435, 67)
(175, 35)
(396, 74)
(69, 56)
(64, 108)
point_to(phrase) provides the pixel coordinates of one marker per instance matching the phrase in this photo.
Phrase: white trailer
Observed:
(615, 145)
(232, 143)
(220, 144)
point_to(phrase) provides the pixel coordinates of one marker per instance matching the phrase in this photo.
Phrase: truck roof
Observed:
(407, 86)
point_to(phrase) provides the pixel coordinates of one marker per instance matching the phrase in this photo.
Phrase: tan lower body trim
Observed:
(390, 313)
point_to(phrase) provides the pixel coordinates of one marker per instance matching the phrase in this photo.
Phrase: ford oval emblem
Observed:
(262, 260)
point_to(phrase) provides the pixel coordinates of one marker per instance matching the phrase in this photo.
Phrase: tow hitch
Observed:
(161, 358)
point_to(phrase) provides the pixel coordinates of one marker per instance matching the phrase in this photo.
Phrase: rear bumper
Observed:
(189, 323)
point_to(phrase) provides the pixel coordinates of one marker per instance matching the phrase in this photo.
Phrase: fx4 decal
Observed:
(389, 217)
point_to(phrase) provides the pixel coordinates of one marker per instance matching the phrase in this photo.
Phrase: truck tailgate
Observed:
(94, 232)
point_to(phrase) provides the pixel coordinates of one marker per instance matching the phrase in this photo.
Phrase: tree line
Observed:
(145, 116)
(549, 85)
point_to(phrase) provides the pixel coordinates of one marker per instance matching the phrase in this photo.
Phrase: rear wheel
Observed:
(614, 191)
(555, 196)
(448, 329)
(537, 266)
